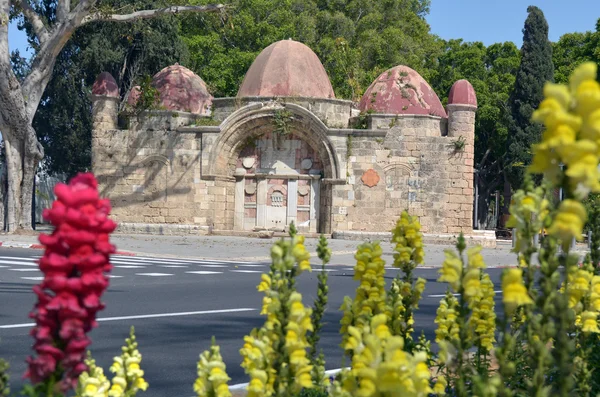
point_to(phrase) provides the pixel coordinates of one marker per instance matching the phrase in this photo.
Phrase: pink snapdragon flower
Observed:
(75, 263)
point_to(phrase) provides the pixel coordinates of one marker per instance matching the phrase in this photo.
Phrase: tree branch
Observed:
(145, 14)
(63, 8)
(36, 22)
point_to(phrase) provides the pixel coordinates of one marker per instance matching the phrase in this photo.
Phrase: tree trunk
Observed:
(507, 197)
(14, 173)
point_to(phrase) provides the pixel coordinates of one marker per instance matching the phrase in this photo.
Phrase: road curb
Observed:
(15, 244)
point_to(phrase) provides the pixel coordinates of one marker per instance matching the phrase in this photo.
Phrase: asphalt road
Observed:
(177, 306)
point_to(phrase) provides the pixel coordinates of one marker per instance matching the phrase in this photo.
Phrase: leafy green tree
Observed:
(355, 39)
(491, 71)
(50, 24)
(129, 52)
(573, 49)
(535, 70)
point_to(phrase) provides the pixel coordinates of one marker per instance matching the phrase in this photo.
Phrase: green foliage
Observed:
(459, 144)
(128, 51)
(572, 49)
(535, 70)
(492, 72)
(355, 39)
(319, 307)
(281, 122)
(149, 95)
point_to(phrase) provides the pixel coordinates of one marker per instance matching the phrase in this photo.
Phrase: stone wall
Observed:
(163, 170)
(413, 164)
(334, 113)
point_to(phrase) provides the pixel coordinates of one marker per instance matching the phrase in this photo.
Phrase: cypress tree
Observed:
(535, 70)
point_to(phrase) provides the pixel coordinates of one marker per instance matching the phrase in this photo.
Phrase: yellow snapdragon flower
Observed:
(380, 366)
(409, 242)
(370, 298)
(483, 320)
(589, 321)
(299, 323)
(578, 282)
(569, 221)
(445, 318)
(129, 378)
(93, 382)
(572, 136)
(451, 271)
(212, 375)
(595, 293)
(514, 293)
(300, 254)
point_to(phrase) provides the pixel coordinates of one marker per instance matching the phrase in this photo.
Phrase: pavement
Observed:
(244, 248)
(179, 291)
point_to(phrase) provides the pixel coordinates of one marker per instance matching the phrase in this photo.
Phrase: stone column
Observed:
(315, 191)
(238, 220)
(292, 201)
(261, 202)
(461, 126)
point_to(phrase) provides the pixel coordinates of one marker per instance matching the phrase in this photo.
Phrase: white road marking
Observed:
(130, 263)
(20, 263)
(444, 295)
(176, 260)
(173, 265)
(114, 276)
(242, 386)
(20, 258)
(153, 274)
(144, 316)
(25, 270)
(130, 267)
(33, 278)
(251, 265)
(246, 271)
(204, 272)
(3, 266)
(213, 265)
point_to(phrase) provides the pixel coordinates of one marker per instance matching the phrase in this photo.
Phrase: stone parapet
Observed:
(162, 229)
(334, 113)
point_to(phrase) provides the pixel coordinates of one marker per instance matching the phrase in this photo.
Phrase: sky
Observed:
(494, 21)
(489, 21)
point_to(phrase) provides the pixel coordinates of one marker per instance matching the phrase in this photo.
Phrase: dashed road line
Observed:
(154, 274)
(204, 272)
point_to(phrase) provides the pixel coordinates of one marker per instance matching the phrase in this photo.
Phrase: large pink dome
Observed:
(182, 90)
(287, 68)
(401, 90)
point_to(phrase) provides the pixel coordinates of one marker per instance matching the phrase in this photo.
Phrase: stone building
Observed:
(286, 150)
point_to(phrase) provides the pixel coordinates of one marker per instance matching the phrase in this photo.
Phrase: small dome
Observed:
(462, 93)
(401, 90)
(182, 90)
(105, 85)
(287, 68)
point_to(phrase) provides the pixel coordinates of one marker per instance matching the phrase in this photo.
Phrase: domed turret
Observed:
(182, 90)
(462, 93)
(401, 90)
(287, 68)
(105, 85)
